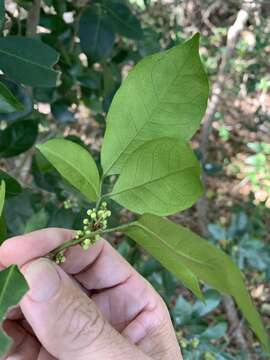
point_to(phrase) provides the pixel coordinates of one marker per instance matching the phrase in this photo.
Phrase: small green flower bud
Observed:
(85, 228)
(104, 204)
(89, 212)
(97, 237)
(93, 216)
(109, 213)
(85, 221)
(88, 232)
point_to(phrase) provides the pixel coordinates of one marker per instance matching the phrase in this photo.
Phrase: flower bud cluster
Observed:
(95, 220)
(60, 258)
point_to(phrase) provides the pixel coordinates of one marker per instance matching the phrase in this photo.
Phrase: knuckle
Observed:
(83, 324)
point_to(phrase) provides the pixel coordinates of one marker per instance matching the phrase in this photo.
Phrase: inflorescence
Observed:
(96, 220)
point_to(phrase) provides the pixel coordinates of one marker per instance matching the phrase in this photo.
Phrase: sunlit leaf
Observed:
(75, 164)
(173, 245)
(165, 95)
(161, 177)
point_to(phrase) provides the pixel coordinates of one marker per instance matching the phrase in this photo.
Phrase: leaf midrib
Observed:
(28, 62)
(150, 115)
(72, 166)
(153, 180)
(171, 248)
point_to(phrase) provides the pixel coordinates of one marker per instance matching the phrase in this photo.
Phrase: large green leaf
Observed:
(18, 137)
(124, 21)
(161, 177)
(164, 95)
(8, 102)
(172, 244)
(12, 186)
(75, 164)
(28, 61)
(96, 33)
(12, 288)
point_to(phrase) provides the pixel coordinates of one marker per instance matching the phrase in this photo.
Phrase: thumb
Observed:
(66, 322)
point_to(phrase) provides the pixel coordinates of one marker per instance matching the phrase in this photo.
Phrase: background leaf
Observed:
(124, 21)
(8, 102)
(12, 288)
(2, 14)
(18, 137)
(96, 33)
(2, 195)
(75, 164)
(12, 186)
(161, 177)
(165, 95)
(28, 61)
(172, 244)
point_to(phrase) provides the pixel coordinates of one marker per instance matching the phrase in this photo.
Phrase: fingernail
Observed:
(43, 280)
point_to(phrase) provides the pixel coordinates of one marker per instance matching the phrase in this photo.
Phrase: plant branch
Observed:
(33, 18)
(75, 241)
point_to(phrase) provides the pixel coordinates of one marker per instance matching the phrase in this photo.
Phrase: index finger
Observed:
(21, 249)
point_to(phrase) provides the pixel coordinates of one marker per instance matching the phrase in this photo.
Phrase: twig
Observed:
(33, 18)
(202, 206)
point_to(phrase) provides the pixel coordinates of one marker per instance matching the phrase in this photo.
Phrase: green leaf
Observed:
(28, 61)
(12, 186)
(173, 245)
(161, 177)
(18, 137)
(96, 33)
(38, 221)
(8, 102)
(75, 164)
(3, 229)
(12, 288)
(2, 14)
(124, 21)
(165, 95)
(2, 195)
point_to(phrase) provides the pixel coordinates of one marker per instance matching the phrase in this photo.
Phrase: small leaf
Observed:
(12, 186)
(28, 61)
(165, 95)
(75, 164)
(8, 102)
(18, 137)
(124, 21)
(173, 245)
(161, 177)
(12, 288)
(3, 229)
(2, 195)
(96, 33)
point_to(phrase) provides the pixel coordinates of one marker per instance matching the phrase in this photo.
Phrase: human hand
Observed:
(95, 306)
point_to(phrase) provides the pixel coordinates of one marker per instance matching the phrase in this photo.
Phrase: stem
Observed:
(75, 242)
(33, 18)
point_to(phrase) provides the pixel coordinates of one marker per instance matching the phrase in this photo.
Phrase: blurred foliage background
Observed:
(233, 144)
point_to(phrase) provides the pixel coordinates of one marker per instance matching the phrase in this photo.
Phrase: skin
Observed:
(95, 306)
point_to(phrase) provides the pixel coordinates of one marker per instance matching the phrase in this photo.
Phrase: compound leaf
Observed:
(75, 164)
(28, 61)
(165, 95)
(173, 244)
(8, 102)
(161, 177)
(12, 288)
